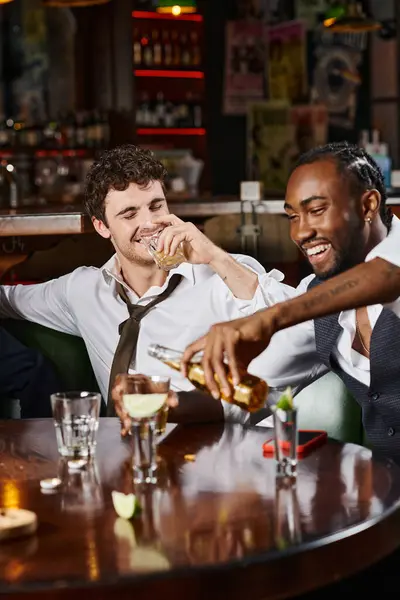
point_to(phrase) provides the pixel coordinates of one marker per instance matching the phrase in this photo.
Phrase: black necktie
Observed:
(129, 333)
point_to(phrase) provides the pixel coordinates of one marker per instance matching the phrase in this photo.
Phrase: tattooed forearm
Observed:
(310, 302)
(374, 282)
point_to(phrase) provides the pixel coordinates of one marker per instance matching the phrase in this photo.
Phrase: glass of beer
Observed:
(162, 260)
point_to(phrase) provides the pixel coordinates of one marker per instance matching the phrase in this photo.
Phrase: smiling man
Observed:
(336, 204)
(125, 198)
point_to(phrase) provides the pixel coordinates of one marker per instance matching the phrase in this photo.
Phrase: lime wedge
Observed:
(144, 559)
(123, 529)
(126, 505)
(285, 402)
(140, 406)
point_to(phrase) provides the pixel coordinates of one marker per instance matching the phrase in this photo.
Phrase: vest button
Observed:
(375, 396)
(390, 431)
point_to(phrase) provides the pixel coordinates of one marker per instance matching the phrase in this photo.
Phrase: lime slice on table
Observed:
(144, 559)
(126, 505)
(285, 401)
(140, 406)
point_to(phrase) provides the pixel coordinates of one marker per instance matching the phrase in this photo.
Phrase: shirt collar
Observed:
(111, 271)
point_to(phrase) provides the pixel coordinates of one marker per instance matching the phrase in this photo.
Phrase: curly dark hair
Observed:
(355, 165)
(115, 170)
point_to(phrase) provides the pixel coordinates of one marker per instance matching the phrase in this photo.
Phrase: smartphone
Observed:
(309, 440)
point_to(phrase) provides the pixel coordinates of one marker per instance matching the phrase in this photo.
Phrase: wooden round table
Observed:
(218, 526)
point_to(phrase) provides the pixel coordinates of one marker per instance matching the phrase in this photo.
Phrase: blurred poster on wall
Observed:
(270, 144)
(286, 61)
(310, 128)
(30, 89)
(244, 65)
(278, 134)
(337, 75)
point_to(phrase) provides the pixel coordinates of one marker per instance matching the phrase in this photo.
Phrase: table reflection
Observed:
(80, 489)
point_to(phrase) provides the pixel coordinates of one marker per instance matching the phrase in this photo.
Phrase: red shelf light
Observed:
(171, 131)
(169, 73)
(143, 14)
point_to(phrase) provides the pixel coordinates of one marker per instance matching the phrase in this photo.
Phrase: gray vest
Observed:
(380, 402)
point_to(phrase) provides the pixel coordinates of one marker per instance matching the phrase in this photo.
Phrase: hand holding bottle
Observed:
(234, 344)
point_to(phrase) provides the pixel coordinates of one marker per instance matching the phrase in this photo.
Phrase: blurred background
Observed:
(224, 91)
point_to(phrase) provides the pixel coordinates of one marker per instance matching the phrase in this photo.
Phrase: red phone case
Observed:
(302, 449)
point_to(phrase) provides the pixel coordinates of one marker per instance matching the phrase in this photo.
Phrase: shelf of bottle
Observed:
(48, 152)
(171, 131)
(170, 73)
(144, 14)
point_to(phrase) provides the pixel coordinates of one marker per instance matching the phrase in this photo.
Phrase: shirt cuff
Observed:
(269, 291)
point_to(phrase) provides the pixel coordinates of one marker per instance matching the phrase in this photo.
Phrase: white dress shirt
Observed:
(291, 357)
(85, 303)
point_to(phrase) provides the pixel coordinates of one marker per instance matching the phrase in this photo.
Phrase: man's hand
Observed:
(235, 343)
(199, 250)
(117, 397)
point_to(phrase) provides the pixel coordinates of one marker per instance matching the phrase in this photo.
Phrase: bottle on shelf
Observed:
(144, 116)
(157, 49)
(167, 48)
(159, 116)
(182, 113)
(176, 49)
(250, 393)
(196, 51)
(197, 115)
(186, 58)
(169, 114)
(137, 48)
(147, 51)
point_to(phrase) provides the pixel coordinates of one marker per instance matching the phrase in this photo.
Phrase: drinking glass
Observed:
(145, 400)
(76, 420)
(162, 260)
(286, 441)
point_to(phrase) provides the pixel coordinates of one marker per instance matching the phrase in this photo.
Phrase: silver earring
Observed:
(368, 220)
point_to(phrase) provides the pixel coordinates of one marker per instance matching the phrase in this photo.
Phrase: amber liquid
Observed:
(166, 262)
(250, 394)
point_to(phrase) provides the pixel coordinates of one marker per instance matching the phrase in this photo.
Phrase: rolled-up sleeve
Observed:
(269, 291)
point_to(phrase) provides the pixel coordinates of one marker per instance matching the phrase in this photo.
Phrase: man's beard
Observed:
(346, 259)
(341, 264)
(129, 253)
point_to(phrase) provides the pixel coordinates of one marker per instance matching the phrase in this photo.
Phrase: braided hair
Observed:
(357, 166)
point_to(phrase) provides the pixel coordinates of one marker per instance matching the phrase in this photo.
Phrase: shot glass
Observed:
(286, 441)
(76, 420)
(162, 260)
(145, 400)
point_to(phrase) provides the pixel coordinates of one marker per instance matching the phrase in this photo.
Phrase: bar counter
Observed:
(72, 220)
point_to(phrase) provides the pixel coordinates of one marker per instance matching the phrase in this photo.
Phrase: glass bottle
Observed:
(250, 393)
